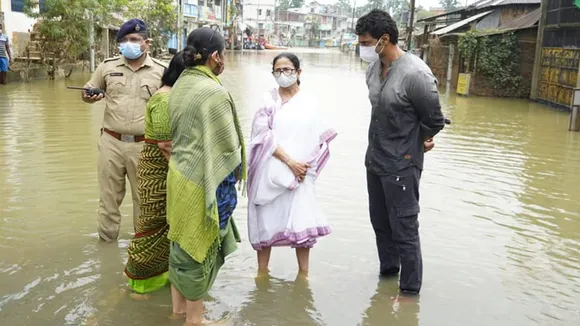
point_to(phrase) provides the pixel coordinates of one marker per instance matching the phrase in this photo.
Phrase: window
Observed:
(42, 5)
(268, 13)
(17, 5)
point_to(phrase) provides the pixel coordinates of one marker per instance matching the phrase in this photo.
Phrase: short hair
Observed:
(172, 73)
(378, 23)
(290, 56)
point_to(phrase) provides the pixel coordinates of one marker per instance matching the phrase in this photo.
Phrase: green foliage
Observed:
(284, 5)
(449, 5)
(161, 19)
(497, 58)
(63, 25)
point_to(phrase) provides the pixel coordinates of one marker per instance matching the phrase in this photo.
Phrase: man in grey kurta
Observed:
(406, 114)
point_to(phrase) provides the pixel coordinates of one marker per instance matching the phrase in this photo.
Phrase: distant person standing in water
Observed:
(129, 81)
(5, 56)
(405, 116)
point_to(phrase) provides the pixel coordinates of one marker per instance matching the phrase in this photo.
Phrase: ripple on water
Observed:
(500, 216)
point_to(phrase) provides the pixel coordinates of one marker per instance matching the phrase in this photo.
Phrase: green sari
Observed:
(208, 145)
(147, 266)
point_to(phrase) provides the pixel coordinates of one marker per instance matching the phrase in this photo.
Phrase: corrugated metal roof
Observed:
(482, 4)
(459, 24)
(527, 20)
(493, 3)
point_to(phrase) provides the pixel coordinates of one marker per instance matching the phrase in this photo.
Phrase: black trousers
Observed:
(394, 212)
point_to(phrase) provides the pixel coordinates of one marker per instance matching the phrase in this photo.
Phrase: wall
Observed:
(509, 13)
(15, 22)
(527, 44)
(559, 54)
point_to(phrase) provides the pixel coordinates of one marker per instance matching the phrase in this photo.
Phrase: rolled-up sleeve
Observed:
(424, 96)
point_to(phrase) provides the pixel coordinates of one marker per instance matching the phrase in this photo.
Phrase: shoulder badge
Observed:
(112, 59)
(159, 62)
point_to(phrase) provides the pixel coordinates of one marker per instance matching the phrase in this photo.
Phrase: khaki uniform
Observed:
(121, 141)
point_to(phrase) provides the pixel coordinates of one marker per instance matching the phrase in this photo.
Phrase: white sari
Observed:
(281, 210)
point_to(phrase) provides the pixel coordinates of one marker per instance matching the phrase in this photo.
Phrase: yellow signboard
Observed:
(463, 84)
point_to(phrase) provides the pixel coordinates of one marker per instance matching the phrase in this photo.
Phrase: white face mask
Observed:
(286, 81)
(368, 54)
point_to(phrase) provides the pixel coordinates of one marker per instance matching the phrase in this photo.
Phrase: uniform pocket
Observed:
(116, 85)
(148, 87)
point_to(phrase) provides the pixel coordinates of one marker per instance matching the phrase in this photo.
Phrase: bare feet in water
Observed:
(139, 297)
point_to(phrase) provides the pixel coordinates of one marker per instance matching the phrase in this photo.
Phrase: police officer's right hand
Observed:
(92, 99)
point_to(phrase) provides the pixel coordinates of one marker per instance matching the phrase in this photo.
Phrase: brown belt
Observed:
(125, 138)
(155, 142)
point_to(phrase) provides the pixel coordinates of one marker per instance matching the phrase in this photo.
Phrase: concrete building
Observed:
(259, 15)
(16, 24)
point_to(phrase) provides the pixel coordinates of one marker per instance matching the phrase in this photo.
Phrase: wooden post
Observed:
(411, 26)
(538, 55)
(450, 68)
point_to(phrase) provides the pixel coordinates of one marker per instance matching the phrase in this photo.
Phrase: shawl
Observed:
(263, 144)
(208, 145)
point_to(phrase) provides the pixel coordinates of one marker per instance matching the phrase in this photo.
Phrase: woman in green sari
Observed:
(207, 160)
(147, 266)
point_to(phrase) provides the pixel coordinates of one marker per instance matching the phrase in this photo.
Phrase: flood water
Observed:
(500, 217)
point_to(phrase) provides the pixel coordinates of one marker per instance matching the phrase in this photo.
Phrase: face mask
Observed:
(368, 54)
(130, 50)
(286, 81)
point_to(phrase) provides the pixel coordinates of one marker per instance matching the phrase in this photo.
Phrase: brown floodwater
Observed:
(500, 219)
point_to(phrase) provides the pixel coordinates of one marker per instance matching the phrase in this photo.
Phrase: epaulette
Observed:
(159, 62)
(112, 59)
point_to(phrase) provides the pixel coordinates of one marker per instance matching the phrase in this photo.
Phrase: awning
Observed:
(459, 24)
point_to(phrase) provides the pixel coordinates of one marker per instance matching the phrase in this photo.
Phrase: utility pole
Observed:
(411, 27)
(180, 26)
(353, 11)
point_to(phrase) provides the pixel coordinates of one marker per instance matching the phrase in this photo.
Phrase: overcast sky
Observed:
(425, 3)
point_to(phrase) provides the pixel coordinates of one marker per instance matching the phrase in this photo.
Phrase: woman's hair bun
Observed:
(190, 56)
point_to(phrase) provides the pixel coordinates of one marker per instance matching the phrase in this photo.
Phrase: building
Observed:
(557, 69)
(259, 15)
(16, 24)
(439, 42)
(199, 13)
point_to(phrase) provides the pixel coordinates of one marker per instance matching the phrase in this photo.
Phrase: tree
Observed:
(63, 26)
(284, 5)
(449, 5)
(161, 19)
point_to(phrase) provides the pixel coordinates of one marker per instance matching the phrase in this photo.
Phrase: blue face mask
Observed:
(130, 50)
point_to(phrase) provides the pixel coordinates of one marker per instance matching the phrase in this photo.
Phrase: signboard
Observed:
(463, 84)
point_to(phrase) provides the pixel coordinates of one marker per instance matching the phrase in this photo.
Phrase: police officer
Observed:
(128, 82)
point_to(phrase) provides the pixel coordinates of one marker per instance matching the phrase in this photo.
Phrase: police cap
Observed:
(133, 26)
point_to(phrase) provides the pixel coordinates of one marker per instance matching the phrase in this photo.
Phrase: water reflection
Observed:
(389, 308)
(280, 302)
(500, 222)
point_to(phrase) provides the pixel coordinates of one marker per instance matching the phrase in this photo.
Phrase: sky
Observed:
(425, 3)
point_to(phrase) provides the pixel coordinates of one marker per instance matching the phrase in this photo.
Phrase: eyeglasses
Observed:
(285, 71)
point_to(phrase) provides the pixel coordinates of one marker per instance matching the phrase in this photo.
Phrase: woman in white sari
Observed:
(288, 150)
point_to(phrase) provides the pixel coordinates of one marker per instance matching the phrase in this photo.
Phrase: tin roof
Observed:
(492, 3)
(484, 4)
(460, 24)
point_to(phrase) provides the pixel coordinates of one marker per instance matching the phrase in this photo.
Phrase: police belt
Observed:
(125, 138)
